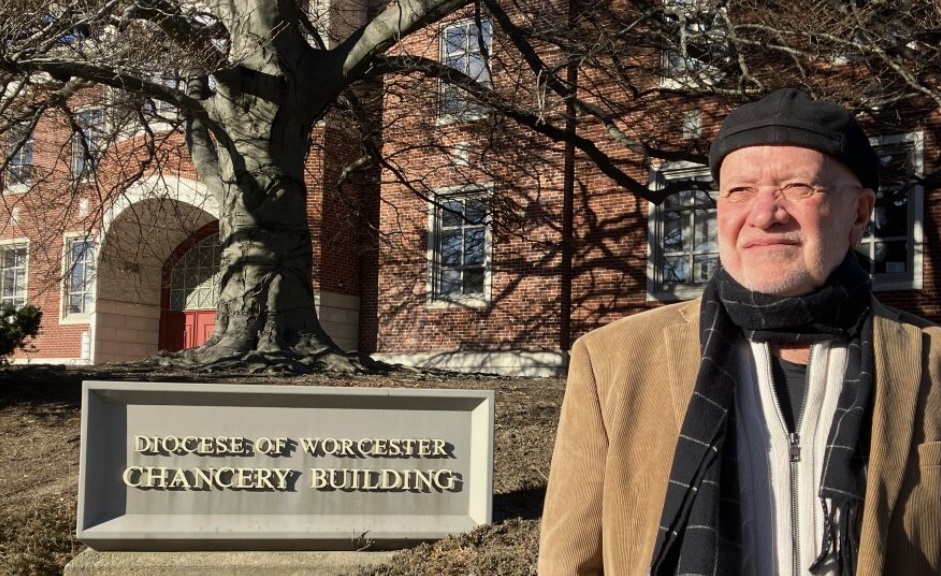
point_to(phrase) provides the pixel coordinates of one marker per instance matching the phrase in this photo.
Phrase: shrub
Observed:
(16, 325)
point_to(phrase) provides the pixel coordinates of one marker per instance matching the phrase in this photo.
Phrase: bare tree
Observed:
(602, 82)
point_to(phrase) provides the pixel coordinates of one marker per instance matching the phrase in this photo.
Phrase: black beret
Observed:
(787, 117)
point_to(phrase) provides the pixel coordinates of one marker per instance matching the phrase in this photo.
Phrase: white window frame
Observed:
(434, 299)
(21, 159)
(477, 111)
(16, 243)
(659, 177)
(95, 137)
(913, 278)
(66, 317)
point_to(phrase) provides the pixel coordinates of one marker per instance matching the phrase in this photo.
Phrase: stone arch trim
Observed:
(162, 187)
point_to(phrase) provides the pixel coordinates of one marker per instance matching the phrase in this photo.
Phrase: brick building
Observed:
(480, 246)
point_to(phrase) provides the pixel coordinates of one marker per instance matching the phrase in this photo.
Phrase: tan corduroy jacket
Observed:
(629, 384)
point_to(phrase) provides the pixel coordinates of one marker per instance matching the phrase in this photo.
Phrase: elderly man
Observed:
(786, 422)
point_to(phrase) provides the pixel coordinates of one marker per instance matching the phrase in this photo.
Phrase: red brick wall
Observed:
(52, 210)
(609, 274)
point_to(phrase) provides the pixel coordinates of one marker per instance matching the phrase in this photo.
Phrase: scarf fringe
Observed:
(843, 546)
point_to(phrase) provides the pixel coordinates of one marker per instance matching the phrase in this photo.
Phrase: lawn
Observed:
(39, 422)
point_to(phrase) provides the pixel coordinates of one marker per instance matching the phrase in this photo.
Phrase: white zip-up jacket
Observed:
(781, 473)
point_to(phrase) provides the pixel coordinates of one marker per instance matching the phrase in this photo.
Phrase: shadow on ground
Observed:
(525, 504)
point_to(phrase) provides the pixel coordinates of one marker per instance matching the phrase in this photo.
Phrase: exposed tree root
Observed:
(300, 359)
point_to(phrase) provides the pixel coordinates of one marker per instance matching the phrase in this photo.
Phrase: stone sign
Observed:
(238, 467)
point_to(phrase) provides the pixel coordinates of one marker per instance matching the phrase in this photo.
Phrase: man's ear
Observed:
(864, 205)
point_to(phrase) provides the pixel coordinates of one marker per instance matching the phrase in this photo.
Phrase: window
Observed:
(461, 50)
(460, 249)
(20, 157)
(692, 125)
(160, 108)
(696, 43)
(891, 248)
(194, 280)
(13, 260)
(80, 277)
(683, 234)
(87, 143)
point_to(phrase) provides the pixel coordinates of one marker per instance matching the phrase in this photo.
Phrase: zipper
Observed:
(794, 453)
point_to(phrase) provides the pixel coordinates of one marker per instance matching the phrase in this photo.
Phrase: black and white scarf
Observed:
(700, 526)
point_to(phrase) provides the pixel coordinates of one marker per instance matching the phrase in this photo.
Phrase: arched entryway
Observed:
(144, 229)
(190, 291)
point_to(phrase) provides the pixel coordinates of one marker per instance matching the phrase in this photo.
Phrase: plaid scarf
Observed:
(698, 535)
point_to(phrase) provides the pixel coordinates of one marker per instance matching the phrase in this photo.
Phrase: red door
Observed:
(186, 329)
(189, 291)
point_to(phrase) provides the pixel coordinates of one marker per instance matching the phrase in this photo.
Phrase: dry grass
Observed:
(39, 452)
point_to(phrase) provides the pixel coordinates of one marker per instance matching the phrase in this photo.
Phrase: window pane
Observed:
(177, 300)
(672, 232)
(703, 268)
(890, 257)
(487, 30)
(477, 70)
(705, 235)
(194, 279)
(476, 211)
(473, 281)
(890, 217)
(704, 198)
(450, 282)
(454, 39)
(474, 246)
(77, 279)
(452, 213)
(675, 270)
(451, 247)
(458, 63)
(679, 199)
(460, 249)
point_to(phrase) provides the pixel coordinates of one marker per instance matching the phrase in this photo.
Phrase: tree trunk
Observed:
(266, 300)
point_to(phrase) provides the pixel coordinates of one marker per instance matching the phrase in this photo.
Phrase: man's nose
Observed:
(767, 209)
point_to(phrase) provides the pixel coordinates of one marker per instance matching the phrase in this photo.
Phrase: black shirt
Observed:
(790, 385)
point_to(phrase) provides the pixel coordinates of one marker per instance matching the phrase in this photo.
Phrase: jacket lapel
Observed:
(897, 348)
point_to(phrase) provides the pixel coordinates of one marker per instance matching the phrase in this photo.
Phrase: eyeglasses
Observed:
(794, 192)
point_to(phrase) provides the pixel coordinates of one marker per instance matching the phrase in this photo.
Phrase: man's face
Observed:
(775, 245)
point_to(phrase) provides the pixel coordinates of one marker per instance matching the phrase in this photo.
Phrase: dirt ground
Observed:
(40, 412)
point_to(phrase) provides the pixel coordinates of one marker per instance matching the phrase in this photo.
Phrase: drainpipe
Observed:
(568, 202)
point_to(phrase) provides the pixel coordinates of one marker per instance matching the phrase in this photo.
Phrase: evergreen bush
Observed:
(16, 325)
